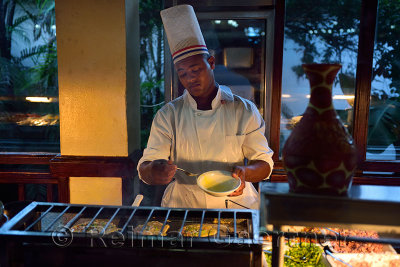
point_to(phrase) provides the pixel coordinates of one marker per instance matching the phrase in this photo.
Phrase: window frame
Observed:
(272, 99)
(368, 20)
(369, 12)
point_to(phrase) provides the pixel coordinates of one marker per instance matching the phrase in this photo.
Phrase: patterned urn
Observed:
(319, 155)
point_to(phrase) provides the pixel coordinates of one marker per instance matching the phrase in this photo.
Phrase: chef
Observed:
(207, 128)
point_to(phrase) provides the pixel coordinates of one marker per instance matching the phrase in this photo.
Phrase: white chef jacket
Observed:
(205, 140)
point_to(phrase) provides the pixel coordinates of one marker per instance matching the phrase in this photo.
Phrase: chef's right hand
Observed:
(161, 171)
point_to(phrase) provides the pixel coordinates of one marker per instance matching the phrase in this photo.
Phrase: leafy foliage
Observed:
(387, 48)
(32, 21)
(151, 64)
(325, 31)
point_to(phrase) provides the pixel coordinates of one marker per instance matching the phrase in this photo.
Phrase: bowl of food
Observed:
(218, 183)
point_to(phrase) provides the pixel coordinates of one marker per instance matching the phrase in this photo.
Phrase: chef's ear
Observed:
(211, 61)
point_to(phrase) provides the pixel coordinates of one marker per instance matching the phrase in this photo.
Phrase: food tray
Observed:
(367, 260)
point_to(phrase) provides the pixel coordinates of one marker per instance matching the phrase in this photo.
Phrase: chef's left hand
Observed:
(239, 172)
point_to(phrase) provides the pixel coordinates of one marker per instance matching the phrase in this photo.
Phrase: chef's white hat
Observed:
(183, 32)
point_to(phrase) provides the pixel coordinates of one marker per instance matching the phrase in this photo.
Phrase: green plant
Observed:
(149, 106)
(20, 19)
(151, 64)
(326, 32)
(28, 67)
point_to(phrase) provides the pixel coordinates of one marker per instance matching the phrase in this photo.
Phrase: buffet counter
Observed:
(65, 234)
(362, 229)
(365, 223)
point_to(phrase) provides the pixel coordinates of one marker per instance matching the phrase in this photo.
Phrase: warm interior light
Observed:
(286, 95)
(343, 97)
(338, 96)
(39, 99)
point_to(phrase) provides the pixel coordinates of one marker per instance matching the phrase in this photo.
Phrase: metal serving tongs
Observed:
(329, 229)
(228, 200)
(328, 251)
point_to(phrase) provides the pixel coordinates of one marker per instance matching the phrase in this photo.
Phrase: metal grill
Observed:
(115, 235)
(41, 221)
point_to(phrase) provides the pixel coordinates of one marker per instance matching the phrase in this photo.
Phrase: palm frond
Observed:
(18, 21)
(33, 51)
(22, 4)
(22, 35)
(48, 6)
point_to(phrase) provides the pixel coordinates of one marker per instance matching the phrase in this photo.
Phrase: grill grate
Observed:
(234, 225)
(123, 230)
(56, 219)
(40, 220)
(109, 221)
(75, 219)
(165, 222)
(147, 221)
(219, 224)
(183, 221)
(93, 219)
(201, 223)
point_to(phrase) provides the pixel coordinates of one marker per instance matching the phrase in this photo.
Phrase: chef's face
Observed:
(196, 74)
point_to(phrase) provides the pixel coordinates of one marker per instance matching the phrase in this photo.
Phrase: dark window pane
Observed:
(384, 114)
(29, 117)
(239, 48)
(318, 32)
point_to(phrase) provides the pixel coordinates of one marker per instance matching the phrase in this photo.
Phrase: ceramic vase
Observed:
(319, 155)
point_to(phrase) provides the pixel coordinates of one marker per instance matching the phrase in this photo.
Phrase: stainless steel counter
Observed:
(369, 207)
(366, 206)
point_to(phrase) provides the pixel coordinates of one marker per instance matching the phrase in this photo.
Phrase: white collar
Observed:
(224, 94)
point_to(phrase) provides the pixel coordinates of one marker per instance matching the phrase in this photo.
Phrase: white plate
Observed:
(218, 183)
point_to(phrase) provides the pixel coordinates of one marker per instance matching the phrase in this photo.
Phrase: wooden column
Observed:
(277, 78)
(365, 57)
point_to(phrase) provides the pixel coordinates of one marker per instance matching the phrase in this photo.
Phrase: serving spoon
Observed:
(187, 173)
